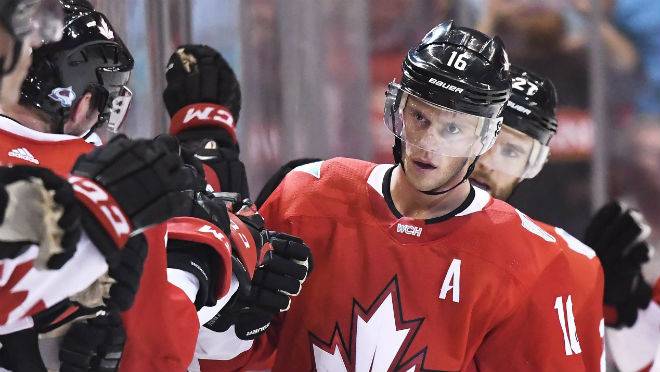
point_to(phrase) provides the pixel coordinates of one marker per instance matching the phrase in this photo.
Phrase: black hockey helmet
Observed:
(531, 107)
(90, 57)
(529, 123)
(464, 76)
(459, 68)
(462, 72)
(21, 18)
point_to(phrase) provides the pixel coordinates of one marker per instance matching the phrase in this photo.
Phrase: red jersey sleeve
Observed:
(542, 334)
(162, 325)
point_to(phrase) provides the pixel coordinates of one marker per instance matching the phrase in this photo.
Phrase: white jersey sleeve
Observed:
(218, 345)
(22, 291)
(635, 348)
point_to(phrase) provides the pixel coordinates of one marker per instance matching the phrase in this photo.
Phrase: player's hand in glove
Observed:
(38, 207)
(618, 235)
(129, 185)
(278, 278)
(197, 243)
(203, 98)
(93, 345)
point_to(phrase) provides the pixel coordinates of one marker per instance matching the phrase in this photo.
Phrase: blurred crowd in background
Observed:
(314, 73)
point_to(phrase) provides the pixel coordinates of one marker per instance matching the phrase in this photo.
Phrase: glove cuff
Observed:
(110, 226)
(195, 230)
(198, 115)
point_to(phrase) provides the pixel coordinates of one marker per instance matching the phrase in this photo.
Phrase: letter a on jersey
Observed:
(452, 281)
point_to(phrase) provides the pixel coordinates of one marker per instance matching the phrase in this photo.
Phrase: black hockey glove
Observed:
(197, 258)
(21, 202)
(199, 74)
(93, 345)
(127, 273)
(618, 235)
(203, 98)
(221, 157)
(129, 185)
(276, 280)
(19, 352)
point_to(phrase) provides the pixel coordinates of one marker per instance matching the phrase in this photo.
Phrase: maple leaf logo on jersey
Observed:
(379, 339)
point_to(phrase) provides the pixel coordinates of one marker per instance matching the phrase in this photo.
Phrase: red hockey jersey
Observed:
(161, 326)
(587, 290)
(394, 293)
(24, 290)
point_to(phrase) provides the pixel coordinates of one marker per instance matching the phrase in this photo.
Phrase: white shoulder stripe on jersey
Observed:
(9, 125)
(575, 244)
(377, 176)
(311, 168)
(535, 229)
(481, 198)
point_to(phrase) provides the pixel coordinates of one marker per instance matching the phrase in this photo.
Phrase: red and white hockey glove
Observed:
(199, 243)
(285, 265)
(127, 186)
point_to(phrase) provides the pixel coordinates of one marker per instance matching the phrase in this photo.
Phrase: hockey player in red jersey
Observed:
(519, 153)
(75, 86)
(415, 269)
(204, 99)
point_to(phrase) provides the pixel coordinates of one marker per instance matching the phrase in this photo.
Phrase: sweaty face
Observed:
(426, 128)
(499, 170)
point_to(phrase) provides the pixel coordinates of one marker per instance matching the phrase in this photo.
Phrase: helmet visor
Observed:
(516, 154)
(436, 128)
(40, 20)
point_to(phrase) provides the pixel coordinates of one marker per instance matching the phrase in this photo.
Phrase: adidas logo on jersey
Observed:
(409, 229)
(23, 153)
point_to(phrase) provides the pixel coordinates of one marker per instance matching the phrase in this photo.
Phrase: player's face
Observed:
(429, 170)
(511, 152)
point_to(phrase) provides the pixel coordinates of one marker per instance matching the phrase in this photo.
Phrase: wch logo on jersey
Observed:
(65, 96)
(409, 229)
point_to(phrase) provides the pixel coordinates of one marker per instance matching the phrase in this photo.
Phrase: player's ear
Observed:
(83, 109)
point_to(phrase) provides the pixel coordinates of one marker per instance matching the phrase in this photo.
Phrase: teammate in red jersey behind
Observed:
(519, 153)
(415, 269)
(73, 87)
